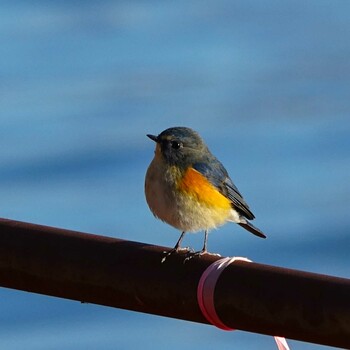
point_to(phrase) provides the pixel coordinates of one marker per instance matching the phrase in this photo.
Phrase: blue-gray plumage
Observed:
(216, 173)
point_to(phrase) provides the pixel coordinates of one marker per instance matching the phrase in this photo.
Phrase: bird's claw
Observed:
(199, 254)
(192, 255)
(187, 250)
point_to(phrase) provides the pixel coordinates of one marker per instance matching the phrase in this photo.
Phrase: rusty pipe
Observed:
(102, 270)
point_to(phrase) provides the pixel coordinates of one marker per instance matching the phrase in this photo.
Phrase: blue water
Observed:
(266, 83)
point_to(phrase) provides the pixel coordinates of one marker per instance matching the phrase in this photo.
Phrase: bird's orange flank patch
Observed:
(200, 188)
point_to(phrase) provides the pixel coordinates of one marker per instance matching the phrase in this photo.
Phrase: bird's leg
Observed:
(178, 243)
(177, 247)
(204, 249)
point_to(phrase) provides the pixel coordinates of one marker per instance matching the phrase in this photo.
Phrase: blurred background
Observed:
(266, 83)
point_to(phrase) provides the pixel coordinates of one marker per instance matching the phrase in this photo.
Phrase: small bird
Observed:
(187, 187)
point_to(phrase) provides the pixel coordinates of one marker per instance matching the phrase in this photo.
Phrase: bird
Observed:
(187, 187)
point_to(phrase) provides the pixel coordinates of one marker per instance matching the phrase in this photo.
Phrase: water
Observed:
(81, 83)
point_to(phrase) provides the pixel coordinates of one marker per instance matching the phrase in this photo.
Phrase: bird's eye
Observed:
(175, 144)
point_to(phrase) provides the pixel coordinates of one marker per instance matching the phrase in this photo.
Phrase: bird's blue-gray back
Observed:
(216, 173)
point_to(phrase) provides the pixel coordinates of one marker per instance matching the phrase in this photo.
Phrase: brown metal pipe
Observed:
(129, 275)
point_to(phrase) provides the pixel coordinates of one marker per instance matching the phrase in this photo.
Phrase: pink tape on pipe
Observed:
(205, 295)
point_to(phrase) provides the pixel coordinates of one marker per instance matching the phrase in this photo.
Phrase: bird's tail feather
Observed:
(251, 228)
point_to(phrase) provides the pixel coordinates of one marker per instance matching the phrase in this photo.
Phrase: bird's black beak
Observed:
(153, 137)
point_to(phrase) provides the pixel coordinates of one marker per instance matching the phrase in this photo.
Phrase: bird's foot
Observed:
(198, 254)
(166, 254)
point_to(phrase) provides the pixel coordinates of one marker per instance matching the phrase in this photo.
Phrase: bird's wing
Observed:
(215, 172)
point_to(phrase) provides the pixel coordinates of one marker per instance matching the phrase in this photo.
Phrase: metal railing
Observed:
(102, 270)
